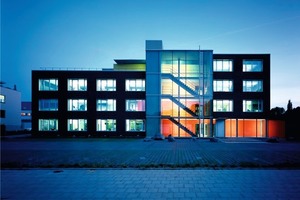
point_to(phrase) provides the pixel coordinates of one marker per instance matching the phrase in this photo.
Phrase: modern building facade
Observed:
(26, 115)
(185, 93)
(10, 107)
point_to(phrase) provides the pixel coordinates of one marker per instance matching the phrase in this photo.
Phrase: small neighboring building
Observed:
(26, 115)
(10, 107)
(186, 93)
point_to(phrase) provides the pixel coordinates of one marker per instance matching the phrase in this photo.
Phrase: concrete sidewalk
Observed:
(101, 184)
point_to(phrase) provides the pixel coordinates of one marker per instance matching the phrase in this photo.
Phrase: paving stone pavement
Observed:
(135, 153)
(133, 184)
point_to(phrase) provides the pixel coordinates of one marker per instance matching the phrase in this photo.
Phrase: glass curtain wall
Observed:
(186, 93)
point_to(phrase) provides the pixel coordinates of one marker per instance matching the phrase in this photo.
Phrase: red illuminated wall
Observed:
(276, 128)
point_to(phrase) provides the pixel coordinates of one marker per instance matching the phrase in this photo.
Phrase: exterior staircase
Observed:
(173, 99)
(191, 133)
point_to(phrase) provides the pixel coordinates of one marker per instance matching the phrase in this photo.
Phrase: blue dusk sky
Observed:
(91, 33)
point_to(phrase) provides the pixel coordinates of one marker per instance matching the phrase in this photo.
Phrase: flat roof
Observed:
(130, 61)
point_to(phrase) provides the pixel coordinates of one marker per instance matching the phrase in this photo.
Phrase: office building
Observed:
(185, 93)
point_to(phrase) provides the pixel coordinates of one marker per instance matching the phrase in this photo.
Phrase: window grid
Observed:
(222, 65)
(77, 105)
(106, 85)
(77, 125)
(48, 124)
(252, 105)
(252, 65)
(223, 105)
(135, 105)
(48, 84)
(106, 105)
(77, 85)
(106, 125)
(136, 125)
(135, 85)
(48, 105)
(223, 85)
(252, 86)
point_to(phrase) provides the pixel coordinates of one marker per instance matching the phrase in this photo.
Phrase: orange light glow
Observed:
(276, 128)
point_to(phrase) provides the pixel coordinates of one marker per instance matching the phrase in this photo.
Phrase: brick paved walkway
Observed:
(149, 184)
(135, 153)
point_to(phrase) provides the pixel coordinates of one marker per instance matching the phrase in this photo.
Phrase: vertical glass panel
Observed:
(77, 105)
(77, 85)
(106, 105)
(135, 105)
(230, 128)
(252, 65)
(48, 84)
(261, 128)
(106, 124)
(135, 125)
(252, 105)
(48, 105)
(106, 85)
(48, 124)
(77, 125)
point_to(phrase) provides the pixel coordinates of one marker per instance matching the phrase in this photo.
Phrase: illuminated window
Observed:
(48, 84)
(2, 98)
(48, 124)
(135, 125)
(222, 65)
(252, 65)
(48, 105)
(135, 105)
(106, 105)
(106, 124)
(223, 106)
(23, 114)
(223, 86)
(252, 106)
(106, 85)
(77, 85)
(77, 125)
(77, 104)
(135, 85)
(253, 86)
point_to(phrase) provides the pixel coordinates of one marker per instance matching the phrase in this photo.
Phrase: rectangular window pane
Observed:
(135, 85)
(135, 105)
(77, 85)
(223, 85)
(48, 84)
(77, 125)
(252, 65)
(77, 105)
(106, 125)
(252, 86)
(106, 105)
(2, 98)
(223, 106)
(222, 65)
(252, 106)
(106, 85)
(48, 105)
(135, 125)
(48, 124)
